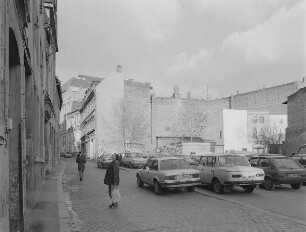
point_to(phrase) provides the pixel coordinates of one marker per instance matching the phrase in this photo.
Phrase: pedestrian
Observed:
(112, 180)
(81, 160)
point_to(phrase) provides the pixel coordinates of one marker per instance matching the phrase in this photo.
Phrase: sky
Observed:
(212, 48)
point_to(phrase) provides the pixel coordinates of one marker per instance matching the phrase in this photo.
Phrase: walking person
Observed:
(81, 160)
(112, 180)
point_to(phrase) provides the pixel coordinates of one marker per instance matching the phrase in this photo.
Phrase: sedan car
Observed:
(133, 160)
(280, 170)
(229, 170)
(168, 172)
(104, 161)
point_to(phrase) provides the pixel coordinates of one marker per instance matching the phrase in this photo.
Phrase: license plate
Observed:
(186, 176)
(293, 175)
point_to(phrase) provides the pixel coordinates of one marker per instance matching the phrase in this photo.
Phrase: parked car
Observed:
(168, 172)
(229, 170)
(280, 170)
(66, 155)
(104, 160)
(300, 155)
(187, 158)
(133, 159)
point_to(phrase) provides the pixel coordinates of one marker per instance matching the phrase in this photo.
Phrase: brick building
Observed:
(296, 130)
(30, 102)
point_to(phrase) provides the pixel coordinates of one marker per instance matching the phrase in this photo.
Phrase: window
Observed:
(211, 160)
(254, 119)
(263, 163)
(254, 162)
(154, 165)
(261, 119)
(148, 164)
(203, 161)
(220, 134)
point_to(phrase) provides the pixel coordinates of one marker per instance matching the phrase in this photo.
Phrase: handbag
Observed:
(115, 194)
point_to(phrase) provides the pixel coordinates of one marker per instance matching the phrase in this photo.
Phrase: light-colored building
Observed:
(244, 130)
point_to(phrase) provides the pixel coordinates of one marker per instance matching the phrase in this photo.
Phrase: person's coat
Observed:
(112, 173)
(81, 160)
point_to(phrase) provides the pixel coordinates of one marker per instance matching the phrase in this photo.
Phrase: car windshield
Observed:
(285, 163)
(171, 164)
(233, 160)
(302, 150)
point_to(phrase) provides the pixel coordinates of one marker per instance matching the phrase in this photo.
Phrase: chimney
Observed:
(189, 95)
(119, 68)
(176, 91)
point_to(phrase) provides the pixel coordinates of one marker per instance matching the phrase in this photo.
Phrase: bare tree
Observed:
(267, 135)
(192, 122)
(129, 122)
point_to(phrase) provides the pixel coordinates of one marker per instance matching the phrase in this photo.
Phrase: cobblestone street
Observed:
(141, 210)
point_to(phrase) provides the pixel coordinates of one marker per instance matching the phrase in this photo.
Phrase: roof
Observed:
(81, 81)
(270, 156)
(166, 158)
(222, 154)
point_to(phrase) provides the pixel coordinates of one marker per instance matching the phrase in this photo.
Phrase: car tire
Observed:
(217, 186)
(296, 186)
(157, 188)
(249, 188)
(269, 184)
(190, 188)
(139, 182)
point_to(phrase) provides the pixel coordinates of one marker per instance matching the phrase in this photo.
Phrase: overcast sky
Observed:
(219, 45)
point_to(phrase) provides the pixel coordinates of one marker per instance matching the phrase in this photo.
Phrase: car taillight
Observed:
(236, 176)
(197, 175)
(259, 174)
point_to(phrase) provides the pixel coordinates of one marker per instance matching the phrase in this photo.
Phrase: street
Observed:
(141, 210)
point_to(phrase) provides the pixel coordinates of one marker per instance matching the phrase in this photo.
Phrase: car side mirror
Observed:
(293, 153)
(253, 165)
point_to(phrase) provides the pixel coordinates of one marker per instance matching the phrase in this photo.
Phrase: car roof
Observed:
(166, 158)
(221, 154)
(269, 156)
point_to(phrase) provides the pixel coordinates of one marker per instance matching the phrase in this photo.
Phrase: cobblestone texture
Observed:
(141, 210)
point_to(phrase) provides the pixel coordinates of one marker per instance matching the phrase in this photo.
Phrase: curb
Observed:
(197, 190)
(63, 214)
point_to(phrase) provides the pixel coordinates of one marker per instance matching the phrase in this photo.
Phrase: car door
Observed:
(145, 172)
(263, 163)
(209, 169)
(152, 172)
(201, 167)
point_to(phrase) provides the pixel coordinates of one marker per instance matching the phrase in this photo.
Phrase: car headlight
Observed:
(259, 174)
(178, 177)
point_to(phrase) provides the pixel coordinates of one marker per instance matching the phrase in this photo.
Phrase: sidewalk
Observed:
(50, 213)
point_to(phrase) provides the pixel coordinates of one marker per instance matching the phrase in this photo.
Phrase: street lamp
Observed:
(151, 102)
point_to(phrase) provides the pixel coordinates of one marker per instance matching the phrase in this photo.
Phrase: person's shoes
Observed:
(81, 179)
(113, 205)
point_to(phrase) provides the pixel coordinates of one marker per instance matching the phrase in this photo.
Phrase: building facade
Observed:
(73, 91)
(296, 130)
(30, 102)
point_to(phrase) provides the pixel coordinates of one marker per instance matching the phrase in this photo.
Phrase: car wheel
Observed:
(157, 188)
(296, 186)
(269, 184)
(190, 188)
(249, 188)
(139, 181)
(217, 186)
